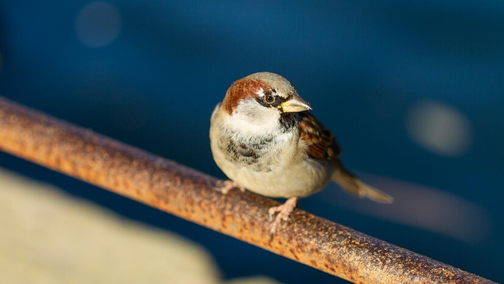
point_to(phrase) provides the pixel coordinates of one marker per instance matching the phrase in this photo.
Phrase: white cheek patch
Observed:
(260, 93)
(253, 118)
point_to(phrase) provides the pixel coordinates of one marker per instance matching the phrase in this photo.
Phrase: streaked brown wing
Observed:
(321, 142)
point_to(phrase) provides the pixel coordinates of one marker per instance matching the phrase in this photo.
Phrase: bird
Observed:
(265, 139)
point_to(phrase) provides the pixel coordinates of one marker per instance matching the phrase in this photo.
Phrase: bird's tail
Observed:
(352, 185)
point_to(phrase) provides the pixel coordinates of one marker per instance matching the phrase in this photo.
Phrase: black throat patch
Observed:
(288, 121)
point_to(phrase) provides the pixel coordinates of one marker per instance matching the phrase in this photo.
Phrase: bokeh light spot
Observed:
(439, 128)
(98, 24)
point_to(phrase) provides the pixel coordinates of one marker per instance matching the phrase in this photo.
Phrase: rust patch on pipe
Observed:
(187, 193)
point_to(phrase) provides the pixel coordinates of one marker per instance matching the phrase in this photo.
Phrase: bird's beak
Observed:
(295, 104)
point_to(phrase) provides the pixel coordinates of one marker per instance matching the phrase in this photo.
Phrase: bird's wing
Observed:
(321, 142)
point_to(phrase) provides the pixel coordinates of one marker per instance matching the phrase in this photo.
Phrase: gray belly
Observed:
(282, 174)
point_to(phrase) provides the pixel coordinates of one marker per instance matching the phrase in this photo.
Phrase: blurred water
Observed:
(393, 79)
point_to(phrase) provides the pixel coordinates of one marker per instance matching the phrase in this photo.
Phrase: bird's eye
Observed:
(269, 98)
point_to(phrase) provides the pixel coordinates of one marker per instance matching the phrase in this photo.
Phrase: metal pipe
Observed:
(187, 193)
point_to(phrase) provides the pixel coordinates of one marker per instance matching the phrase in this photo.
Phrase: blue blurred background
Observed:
(413, 91)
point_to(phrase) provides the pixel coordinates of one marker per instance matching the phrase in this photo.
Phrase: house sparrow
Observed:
(264, 139)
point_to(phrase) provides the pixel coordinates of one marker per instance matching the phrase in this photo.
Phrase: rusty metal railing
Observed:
(187, 193)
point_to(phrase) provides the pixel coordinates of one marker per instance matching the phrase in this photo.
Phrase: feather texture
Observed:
(321, 142)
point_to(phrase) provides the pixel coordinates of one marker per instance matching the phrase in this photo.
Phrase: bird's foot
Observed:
(283, 211)
(224, 186)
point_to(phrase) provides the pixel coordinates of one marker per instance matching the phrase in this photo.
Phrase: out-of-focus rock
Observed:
(47, 236)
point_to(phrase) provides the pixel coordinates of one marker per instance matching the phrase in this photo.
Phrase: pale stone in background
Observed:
(47, 236)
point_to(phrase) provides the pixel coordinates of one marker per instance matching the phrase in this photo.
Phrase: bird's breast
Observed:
(251, 153)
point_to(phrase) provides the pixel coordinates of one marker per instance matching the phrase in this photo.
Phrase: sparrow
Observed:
(264, 138)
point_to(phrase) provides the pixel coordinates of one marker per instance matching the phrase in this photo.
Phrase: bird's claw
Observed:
(271, 213)
(224, 186)
(283, 211)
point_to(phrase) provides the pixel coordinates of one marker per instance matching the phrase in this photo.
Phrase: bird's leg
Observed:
(283, 211)
(224, 186)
